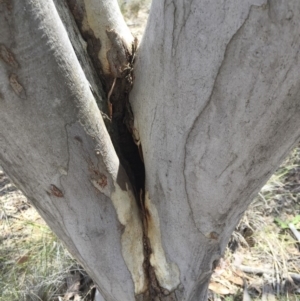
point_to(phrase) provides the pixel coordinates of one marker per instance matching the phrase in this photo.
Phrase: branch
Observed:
(55, 147)
(255, 270)
(93, 18)
(295, 232)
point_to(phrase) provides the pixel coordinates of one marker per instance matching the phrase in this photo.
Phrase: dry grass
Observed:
(34, 264)
(131, 8)
(263, 241)
(135, 13)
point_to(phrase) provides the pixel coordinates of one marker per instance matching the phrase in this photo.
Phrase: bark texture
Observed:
(216, 104)
(55, 147)
(216, 109)
(93, 18)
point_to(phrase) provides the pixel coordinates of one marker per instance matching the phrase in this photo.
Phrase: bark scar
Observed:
(16, 86)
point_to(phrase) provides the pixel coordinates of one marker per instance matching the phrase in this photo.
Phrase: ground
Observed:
(262, 261)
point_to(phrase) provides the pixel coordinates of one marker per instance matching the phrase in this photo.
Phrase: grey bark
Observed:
(216, 109)
(216, 103)
(55, 147)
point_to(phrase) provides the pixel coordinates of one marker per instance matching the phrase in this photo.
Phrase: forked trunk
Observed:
(214, 109)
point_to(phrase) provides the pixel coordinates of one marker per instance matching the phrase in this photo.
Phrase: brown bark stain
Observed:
(56, 191)
(16, 86)
(213, 235)
(8, 4)
(102, 181)
(8, 57)
(96, 175)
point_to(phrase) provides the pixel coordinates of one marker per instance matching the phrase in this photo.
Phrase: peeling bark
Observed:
(167, 273)
(93, 18)
(147, 200)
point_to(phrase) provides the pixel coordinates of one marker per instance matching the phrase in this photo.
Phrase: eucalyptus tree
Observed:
(143, 156)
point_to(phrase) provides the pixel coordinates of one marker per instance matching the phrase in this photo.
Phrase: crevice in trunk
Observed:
(122, 133)
(126, 149)
(118, 128)
(131, 158)
(155, 292)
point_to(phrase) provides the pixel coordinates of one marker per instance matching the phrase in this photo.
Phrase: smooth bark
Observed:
(55, 147)
(216, 103)
(93, 18)
(216, 109)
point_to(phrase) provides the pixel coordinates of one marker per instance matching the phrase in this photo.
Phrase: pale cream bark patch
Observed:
(102, 15)
(132, 237)
(167, 273)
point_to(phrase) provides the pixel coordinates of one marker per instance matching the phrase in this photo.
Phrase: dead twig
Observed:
(295, 231)
(253, 270)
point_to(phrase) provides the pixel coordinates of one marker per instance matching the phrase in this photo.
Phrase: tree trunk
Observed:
(55, 147)
(216, 103)
(215, 106)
